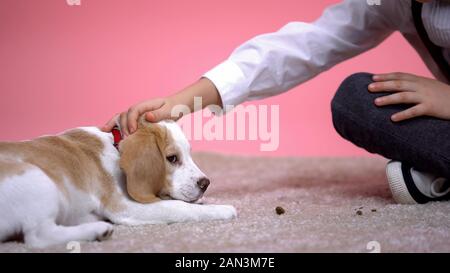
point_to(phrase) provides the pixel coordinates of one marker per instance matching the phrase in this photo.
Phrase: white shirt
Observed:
(270, 64)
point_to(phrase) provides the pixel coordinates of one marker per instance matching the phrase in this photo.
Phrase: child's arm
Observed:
(160, 108)
(270, 64)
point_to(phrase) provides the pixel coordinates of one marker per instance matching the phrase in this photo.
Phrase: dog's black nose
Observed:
(203, 183)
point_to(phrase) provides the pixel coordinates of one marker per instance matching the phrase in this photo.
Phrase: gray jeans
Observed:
(422, 142)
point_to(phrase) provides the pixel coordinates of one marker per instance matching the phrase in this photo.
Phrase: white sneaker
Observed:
(409, 186)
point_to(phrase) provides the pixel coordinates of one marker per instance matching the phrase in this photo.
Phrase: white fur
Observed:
(32, 204)
(185, 177)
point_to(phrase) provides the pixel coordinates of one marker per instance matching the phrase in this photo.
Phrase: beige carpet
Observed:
(321, 198)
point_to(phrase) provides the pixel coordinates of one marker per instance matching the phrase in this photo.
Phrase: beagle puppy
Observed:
(72, 186)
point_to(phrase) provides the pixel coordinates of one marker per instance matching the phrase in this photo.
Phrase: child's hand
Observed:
(430, 97)
(160, 109)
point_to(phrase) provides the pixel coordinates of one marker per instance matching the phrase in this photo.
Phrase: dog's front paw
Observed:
(222, 212)
(104, 231)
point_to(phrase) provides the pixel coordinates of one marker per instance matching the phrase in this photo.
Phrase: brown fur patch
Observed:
(143, 161)
(74, 155)
(10, 168)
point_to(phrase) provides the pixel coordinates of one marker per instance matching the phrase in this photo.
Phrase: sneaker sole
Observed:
(397, 184)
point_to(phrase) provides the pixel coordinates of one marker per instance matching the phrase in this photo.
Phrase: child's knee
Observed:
(353, 95)
(352, 92)
(352, 106)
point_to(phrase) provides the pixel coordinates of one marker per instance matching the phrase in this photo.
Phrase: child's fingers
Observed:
(110, 124)
(123, 124)
(392, 86)
(415, 111)
(393, 76)
(151, 116)
(399, 98)
(132, 116)
(136, 111)
(159, 114)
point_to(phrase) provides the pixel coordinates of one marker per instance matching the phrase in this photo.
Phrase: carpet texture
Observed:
(331, 205)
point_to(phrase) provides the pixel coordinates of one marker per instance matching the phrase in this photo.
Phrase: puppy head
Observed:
(157, 162)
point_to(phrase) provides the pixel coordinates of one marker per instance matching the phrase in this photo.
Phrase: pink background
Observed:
(65, 66)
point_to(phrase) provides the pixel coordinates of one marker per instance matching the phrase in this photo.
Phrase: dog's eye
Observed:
(172, 159)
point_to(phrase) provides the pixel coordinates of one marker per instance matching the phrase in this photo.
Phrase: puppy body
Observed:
(57, 189)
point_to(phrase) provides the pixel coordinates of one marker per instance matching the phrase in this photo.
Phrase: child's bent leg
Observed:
(422, 142)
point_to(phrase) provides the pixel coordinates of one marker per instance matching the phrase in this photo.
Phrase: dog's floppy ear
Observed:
(143, 162)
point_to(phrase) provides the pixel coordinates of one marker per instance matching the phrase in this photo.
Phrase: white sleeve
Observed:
(270, 64)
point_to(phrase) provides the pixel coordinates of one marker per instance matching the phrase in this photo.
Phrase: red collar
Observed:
(117, 136)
